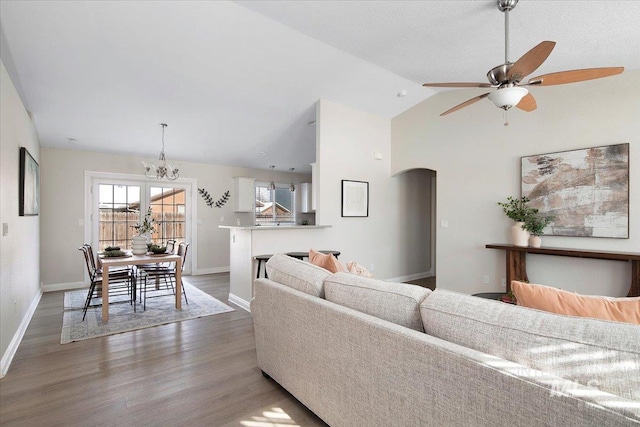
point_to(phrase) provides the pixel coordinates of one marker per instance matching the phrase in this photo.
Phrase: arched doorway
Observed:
(418, 202)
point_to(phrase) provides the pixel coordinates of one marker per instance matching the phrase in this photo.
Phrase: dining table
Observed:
(131, 259)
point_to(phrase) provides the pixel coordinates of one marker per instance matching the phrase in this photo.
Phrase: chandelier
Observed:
(162, 169)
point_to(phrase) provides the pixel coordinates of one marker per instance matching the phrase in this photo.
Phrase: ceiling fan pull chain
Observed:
(506, 117)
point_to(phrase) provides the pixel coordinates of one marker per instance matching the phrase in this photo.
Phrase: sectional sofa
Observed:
(362, 352)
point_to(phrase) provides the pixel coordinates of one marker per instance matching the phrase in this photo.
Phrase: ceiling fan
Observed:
(507, 77)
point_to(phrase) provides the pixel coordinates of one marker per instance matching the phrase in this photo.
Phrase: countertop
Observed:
(274, 227)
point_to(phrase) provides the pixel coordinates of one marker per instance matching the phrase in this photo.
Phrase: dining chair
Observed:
(121, 281)
(164, 273)
(95, 262)
(171, 246)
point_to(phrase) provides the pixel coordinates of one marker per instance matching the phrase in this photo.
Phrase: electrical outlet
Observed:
(221, 219)
(503, 281)
(486, 279)
(372, 267)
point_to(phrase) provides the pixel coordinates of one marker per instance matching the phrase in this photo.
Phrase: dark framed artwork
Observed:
(29, 192)
(587, 190)
(355, 198)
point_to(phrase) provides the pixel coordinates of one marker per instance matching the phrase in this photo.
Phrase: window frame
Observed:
(93, 178)
(275, 221)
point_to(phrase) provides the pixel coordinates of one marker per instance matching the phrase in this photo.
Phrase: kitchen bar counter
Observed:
(246, 242)
(274, 227)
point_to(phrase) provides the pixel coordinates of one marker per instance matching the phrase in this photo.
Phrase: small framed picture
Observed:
(29, 191)
(355, 198)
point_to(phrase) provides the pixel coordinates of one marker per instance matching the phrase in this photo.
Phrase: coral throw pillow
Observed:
(569, 303)
(326, 261)
(355, 268)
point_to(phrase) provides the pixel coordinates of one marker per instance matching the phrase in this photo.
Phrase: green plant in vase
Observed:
(145, 229)
(518, 209)
(535, 224)
(147, 226)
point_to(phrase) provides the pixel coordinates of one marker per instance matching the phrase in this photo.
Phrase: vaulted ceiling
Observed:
(237, 82)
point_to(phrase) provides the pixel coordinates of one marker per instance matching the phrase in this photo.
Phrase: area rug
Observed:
(159, 311)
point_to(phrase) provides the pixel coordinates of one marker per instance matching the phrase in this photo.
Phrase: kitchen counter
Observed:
(273, 227)
(246, 242)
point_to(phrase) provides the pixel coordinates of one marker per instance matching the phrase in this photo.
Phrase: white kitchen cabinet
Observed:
(244, 194)
(306, 196)
(314, 186)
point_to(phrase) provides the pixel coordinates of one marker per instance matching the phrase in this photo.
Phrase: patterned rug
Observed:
(159, 311)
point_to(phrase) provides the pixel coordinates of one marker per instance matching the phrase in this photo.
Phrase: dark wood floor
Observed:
(427, 282)
(200, 372)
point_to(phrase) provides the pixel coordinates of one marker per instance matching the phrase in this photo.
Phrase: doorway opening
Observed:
(419, 231)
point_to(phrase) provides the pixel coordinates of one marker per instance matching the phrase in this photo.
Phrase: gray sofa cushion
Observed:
(396, 302)
(597, 353)
(297, 274)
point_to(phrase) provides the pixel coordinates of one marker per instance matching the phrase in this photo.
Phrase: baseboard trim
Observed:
(234, 299)
(64, 286)
(212, 270)
(402, 279)
(7, 357)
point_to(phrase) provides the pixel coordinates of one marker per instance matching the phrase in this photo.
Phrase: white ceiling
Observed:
(234, 79)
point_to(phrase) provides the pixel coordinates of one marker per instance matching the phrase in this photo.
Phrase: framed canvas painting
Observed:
(29, 191)
(587, 190)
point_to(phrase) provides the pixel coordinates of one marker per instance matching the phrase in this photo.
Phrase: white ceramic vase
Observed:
(139, 245)
(535, 241)
(519, 236)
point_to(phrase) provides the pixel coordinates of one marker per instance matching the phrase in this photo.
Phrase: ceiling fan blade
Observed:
(572, 76)
(530, 61)
(465, 104)
(457, 85)
(528, 103)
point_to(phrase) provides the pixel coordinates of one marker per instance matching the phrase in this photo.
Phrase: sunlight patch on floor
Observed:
(276, 417)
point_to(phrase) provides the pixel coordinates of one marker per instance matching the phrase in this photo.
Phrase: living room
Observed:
(475, 157)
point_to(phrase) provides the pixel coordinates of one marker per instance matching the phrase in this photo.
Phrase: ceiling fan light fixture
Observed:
(508, 97)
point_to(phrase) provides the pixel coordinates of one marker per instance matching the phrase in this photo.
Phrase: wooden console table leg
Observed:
(634, 290)
(516, 267)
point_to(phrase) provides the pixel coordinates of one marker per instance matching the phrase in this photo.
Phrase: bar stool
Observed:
(298, 255)
(334, 253)
(261, 259)
(302, 255)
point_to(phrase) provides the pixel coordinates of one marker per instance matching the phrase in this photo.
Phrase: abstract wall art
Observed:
(587, 190)
(355, 198)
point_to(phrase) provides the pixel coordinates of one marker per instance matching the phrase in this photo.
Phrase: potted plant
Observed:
(144, 228)
(518, 210)
(535, 224)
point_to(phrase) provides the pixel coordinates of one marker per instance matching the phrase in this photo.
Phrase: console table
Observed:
(517, 261)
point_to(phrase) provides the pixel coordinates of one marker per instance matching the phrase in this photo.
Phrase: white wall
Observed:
(62, 197)
(19, 249)
(389, 242)
(477, 160)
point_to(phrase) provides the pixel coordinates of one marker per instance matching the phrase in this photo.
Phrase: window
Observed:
(169, 209)
(121, 205)
(274, 206)
(118, 211)
(115, 202)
